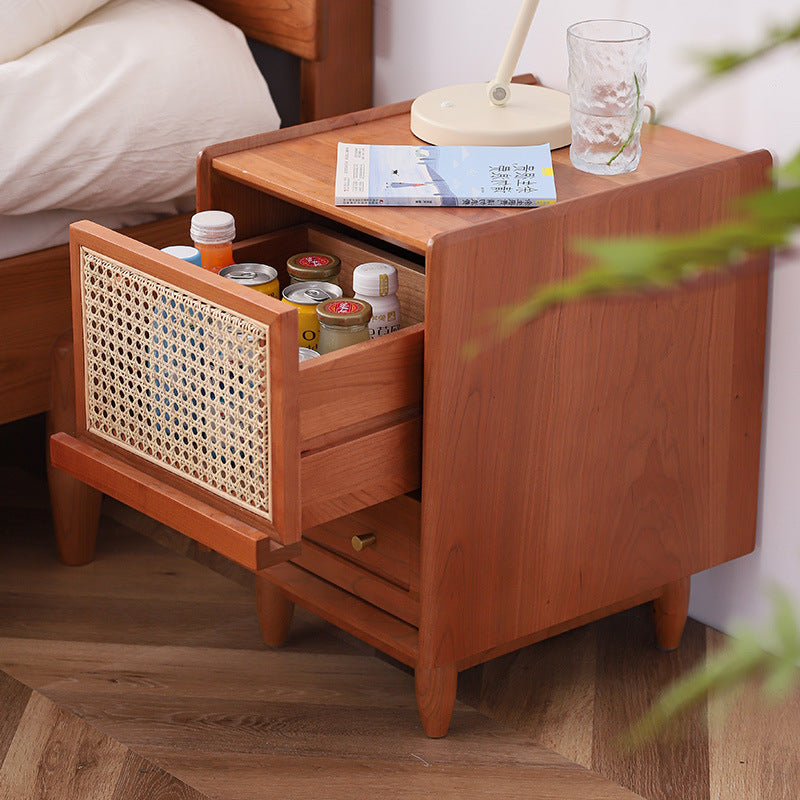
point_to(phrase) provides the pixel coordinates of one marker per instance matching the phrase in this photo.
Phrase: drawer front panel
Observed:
(195, 380)
(359, 582)
(190, 375)
(162, 369)
(373, 554)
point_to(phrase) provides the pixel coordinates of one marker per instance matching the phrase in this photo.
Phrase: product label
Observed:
(315, 261)
(381, 324)
(344, 307)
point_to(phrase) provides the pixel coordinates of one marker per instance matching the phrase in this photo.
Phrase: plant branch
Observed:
(623, 265)
(716, 65)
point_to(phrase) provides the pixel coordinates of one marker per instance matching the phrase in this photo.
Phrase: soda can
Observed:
(261, 277)
(305, 297)
(306, 354)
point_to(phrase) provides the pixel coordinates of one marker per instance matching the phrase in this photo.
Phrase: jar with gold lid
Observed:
(342, 322)
(314, 267)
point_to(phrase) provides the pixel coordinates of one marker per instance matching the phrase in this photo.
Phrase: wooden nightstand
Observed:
(593, 461)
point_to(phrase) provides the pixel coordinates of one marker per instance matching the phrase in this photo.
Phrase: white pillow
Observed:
(29, 23)
(114, 111)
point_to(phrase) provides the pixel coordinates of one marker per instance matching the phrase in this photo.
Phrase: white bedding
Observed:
(26, 233)
(105, 121)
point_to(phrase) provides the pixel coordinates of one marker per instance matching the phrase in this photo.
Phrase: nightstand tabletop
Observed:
(300, 168)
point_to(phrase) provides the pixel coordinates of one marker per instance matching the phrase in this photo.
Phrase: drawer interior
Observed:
(275, 248)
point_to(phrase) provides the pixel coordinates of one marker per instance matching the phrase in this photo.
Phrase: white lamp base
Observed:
(460, 115)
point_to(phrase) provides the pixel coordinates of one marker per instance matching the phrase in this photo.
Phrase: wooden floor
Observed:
(142, 675)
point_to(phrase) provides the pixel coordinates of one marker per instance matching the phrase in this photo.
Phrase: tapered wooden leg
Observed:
(669, 613)
(436, 696)
(75, 506)
(275, 612)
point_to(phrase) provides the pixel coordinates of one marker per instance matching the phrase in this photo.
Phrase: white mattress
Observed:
(26, 233)
(105, 120)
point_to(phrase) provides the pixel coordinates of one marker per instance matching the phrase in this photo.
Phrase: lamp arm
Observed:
(499, 89)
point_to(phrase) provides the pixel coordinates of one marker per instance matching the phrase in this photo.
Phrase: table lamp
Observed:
(498, 112)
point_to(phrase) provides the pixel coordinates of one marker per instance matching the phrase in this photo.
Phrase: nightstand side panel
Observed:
(604, 449)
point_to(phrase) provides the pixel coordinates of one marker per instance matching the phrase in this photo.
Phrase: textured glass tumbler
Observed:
(607, 79)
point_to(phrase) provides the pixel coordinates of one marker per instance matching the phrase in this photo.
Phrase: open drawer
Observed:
(191, 405)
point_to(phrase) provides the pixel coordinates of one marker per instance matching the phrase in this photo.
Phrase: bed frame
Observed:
(332, 40)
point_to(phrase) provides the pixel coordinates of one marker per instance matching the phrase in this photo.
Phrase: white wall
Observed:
(426, 44)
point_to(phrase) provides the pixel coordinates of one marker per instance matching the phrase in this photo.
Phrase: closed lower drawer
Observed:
(372, 553)
(194, 381)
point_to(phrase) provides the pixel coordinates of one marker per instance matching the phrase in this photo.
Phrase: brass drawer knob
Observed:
(362, 540)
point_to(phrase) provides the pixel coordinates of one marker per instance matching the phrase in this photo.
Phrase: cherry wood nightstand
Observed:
(444, 509)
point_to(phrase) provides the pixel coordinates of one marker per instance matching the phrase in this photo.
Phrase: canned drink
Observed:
(305, 297)
(306, 354)
(184, 253)
(261, 277)
(314, 267)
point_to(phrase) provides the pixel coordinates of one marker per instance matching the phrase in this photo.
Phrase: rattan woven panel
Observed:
(177, 380)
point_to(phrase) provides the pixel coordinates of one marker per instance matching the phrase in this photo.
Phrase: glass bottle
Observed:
(342, 322)
(314, 267)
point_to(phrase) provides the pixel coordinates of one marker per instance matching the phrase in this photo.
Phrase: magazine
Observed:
(444, 175)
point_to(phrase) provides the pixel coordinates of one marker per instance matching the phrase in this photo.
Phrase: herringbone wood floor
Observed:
(142, 675)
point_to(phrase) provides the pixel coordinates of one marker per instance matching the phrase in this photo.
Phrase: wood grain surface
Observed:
(143, 675)
(148, 664)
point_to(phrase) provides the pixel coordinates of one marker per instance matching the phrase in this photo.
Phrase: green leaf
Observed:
(643, 263)
(777, 208)
(790, 172)
(744, 657)
(785, 625)
(725, 61)
(781, 681)
(723, 670)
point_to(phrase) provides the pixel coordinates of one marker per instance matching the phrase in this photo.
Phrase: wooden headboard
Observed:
(332, 39)
(329, 47)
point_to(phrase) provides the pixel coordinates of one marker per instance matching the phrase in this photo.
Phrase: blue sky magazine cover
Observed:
(447, 175)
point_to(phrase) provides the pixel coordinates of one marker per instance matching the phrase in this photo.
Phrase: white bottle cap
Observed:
(212, 227)
(375, 279)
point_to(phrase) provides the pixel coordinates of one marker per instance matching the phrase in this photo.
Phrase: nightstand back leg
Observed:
(669, 613)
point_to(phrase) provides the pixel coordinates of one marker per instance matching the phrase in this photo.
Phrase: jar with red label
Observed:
(314, 267)
(342, 322)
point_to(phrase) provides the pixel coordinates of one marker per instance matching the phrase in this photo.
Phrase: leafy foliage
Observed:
(762, 221)
(765, 220)
(721, 63)
(748, 655)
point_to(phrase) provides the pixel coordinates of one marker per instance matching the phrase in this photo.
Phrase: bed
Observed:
(315, 56)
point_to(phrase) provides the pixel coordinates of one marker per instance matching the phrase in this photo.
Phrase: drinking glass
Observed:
(607, 80)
